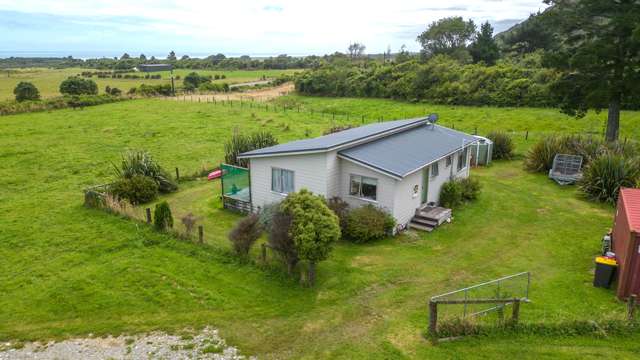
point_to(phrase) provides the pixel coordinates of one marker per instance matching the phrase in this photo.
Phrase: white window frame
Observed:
(281, 171)
(464, 152)
(433, 174)
(359, 195)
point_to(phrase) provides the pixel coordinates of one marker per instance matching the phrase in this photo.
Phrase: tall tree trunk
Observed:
(312, 273)
(613, 119)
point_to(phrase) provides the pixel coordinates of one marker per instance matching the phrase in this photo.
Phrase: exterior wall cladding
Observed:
(328, 175)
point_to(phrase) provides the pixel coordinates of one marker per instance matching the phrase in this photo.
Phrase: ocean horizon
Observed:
(97, 54)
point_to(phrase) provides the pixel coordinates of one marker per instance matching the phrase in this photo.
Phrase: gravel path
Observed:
(205, 344)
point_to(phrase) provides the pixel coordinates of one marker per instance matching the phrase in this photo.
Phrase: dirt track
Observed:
(255, 95)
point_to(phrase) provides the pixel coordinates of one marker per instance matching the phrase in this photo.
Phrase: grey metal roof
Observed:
(334, 140)
(405, 152)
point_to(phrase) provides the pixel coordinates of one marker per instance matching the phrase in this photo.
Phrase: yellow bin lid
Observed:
(606, 261)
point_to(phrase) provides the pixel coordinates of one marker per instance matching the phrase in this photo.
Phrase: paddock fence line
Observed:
(481, 300)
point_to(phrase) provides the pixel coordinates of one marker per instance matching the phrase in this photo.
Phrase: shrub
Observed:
(281, 241)
(470, 188)
(78, 86)
(141, 163)
(540, 156)
(162, 218)
(115, 92)
(314, 227)
(193, 80)
(502, 145)
(451, 194)
(341, 209)
(138, 189)
(368, 223)
(26, 91)
(61, 102)
(245, 234)
(240, 143)
(189, 221)
(604, 176)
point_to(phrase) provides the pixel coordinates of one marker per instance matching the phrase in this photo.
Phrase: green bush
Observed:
(368, 223)
(193, 80)
(17, 107)
(240, 143)
(314, 227)
(137, 189)
(78, 86)
(458, 191)
(470, 188)
(451, 194)
(604, 176)
(280, 239)
(246, 232)
(141, 163)
(162, 218)
(502, 145)
(26, 91)
(209, 86)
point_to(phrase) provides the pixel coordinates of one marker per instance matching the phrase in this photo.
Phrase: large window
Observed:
(281, 180)
(462, 159)
(434, 169)
(364, 187)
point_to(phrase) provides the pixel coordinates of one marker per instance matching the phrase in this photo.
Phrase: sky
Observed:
(252, 27)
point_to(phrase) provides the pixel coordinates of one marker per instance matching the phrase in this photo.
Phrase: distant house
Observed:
(399, 166)
(154, 67)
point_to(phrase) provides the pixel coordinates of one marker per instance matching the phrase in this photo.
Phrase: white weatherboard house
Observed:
(399, 166)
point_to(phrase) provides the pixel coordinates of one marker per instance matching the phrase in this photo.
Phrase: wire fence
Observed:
(515, 286)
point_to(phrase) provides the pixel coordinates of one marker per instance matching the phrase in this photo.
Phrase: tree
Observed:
(356, 50)
(484, 48)
(78, 86)
(599, 53)
(184, 57)
(448, 36)
(533, 34)
(143, 57)
(314, 227)
(193, 80)
(172, 56)
(125, 56)
(26, 91)
(403, 55)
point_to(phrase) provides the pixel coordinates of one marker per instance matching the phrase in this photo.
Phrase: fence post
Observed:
(515, 315)
(363, 119)
(433, 321)
(263, 252)
(201, 234)
(631, 307)
(148, 212)
(177, 174)
(526, 135)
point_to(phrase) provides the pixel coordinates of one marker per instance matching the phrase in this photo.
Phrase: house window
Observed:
(449, 160)
(363, 187)
(281, 180)
(462, 159)
(434, 170)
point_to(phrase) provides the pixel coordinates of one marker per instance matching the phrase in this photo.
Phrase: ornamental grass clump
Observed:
(162, 218)
(604, 176)
(502, 145)
(142, 163)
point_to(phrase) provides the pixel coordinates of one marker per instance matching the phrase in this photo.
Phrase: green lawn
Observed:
(68, 271)
(48, 80)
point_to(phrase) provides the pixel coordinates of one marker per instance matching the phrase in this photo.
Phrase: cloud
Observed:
(257, 26)
(273, 8)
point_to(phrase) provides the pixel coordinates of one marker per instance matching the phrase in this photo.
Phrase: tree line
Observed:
(576, 55)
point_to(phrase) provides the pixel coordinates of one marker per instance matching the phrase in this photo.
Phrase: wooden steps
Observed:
(429, 218)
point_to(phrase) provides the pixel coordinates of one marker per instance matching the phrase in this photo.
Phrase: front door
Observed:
(425, 185)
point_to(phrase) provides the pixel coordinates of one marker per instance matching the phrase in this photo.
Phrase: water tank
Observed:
(481, 151)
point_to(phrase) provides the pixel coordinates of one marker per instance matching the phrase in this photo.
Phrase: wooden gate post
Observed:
(148, 211)
(515, 315)
(264, 252)
(433, 321)
(201, 234)
(177, 174)
(631, 307)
